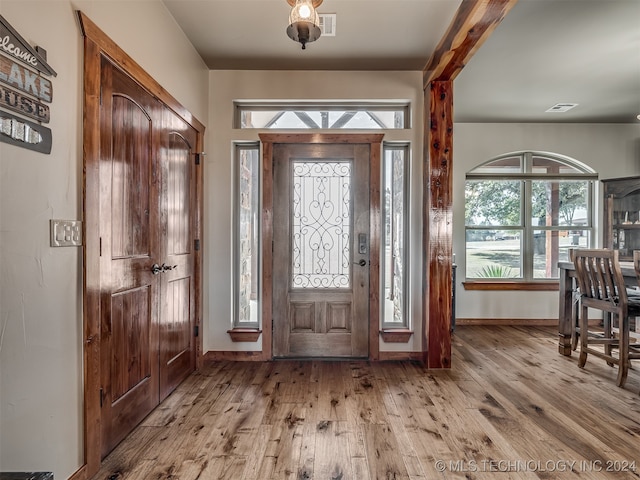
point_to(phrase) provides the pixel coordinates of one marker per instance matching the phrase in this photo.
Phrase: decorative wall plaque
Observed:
(22, 89)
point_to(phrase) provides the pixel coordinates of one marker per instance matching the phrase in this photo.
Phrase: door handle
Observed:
(362, 262)
(156, 269)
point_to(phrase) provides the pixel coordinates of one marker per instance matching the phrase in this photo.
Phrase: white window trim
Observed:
(405, 324)
(241, 106)
(238, 147)
(525, 226)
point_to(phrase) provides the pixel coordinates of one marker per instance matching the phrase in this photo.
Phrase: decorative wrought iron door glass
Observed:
(321, 224)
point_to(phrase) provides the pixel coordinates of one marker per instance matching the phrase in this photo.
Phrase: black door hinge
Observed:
(199, 157)
(196, 244)
(196, 330)
(101, 396)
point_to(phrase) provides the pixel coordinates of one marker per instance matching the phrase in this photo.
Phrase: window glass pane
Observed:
(551, 166)
(501, 166)
(559, 202)
(321, 225)
(364, 119)
(247, 205)
(290, 120)
(395, 196)
(493, 254)
(552, 246)
(257, 119)
(493, 202)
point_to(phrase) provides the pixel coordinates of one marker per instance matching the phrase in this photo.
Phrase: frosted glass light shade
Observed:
(303, 11)
(303, 23)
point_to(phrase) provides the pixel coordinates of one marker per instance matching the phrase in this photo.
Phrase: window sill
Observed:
(550, 286)
(244, 334)
(396, 335)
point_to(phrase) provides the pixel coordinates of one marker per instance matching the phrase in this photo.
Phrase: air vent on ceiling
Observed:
(561, 107)
(327, 24)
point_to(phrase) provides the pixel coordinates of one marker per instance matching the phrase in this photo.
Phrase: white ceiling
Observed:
(544, 52)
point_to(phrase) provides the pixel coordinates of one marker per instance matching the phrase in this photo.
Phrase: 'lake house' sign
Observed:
(23, 91)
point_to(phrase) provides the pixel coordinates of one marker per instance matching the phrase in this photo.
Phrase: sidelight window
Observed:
(395, 235)
(247, 235)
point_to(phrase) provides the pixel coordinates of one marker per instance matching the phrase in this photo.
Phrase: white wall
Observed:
(41, 368)
(612, 150)
(227, 86)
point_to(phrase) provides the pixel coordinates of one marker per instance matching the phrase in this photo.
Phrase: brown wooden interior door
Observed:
(177, 343)
(321, 250)
(130, 245)
(147, 222)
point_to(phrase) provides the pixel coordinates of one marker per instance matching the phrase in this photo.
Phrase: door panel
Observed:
(338, 317)
(130, 321)
(131, 178)
(176, 334)
(179, 160)
(129, 291)
(321, 209)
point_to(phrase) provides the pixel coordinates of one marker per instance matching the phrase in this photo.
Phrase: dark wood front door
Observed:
(321, 241)
(146, 222)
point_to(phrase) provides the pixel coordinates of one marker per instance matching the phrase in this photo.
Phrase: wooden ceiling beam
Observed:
(471, 26)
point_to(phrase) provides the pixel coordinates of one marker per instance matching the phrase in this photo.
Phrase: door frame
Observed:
(375, 151)
(96, 45)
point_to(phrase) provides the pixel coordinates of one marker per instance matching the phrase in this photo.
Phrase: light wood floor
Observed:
(511, 407)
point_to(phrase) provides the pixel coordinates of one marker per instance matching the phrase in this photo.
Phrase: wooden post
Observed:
(438, 234)
(472, 24)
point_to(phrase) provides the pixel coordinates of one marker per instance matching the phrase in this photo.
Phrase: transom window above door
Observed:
(347, 115)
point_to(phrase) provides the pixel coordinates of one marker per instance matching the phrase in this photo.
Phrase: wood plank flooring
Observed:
(511, 407)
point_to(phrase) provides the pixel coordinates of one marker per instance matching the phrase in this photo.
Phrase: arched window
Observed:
(523, 211)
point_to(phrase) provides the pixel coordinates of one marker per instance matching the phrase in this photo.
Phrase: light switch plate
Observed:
(66, 233)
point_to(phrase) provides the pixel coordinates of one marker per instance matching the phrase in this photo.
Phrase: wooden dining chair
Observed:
(575, 309)
(634, 322)
(602, 287)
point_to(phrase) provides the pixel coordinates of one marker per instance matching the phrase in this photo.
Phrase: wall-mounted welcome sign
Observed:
(22, 90)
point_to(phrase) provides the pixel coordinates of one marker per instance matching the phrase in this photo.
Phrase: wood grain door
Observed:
(321, 250)
(130, 246)
(178, 216)
(147, 224)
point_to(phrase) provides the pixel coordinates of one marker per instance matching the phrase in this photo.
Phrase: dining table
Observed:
(568, 300)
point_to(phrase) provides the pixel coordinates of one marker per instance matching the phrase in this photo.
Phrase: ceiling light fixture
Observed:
(303, 21)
